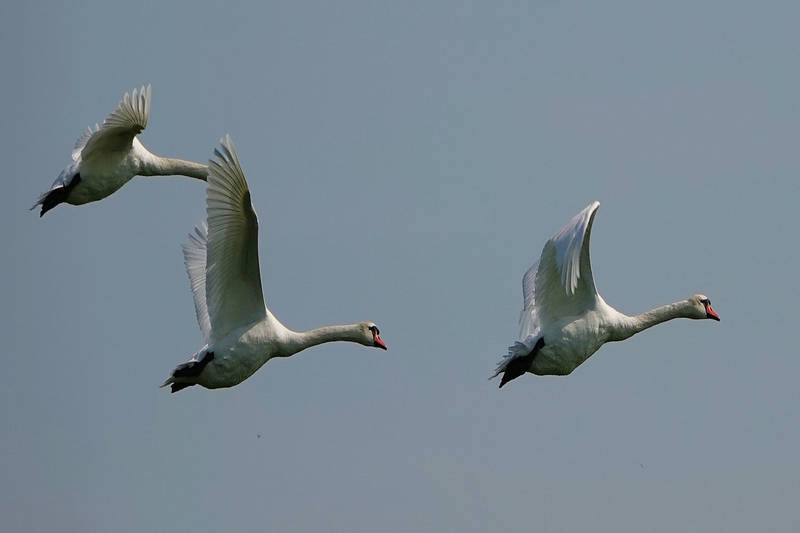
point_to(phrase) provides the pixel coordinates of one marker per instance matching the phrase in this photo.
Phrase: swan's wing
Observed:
(528, 321)
(233, 281)
(561, 283)
(194, 257)
(82, 140)
(119, 128)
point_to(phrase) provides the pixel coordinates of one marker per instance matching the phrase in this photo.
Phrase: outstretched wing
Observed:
(194, 257)
(233, 280)
(560, 284)
(118, 129)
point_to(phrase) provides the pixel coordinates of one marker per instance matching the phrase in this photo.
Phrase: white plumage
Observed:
(194, 257)
(564, 320)
(108, 156)
(240, 333)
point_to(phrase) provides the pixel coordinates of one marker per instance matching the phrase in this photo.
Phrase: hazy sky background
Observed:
(407, 162)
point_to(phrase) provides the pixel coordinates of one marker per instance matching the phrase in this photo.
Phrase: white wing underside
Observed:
(560, 284)
(194, 257)
(118, 129)
(233, 294)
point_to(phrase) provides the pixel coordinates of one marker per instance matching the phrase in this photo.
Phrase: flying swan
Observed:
(107, 157)
(240, 333)
(564, 320)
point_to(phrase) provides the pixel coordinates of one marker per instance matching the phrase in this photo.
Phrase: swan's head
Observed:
(701, 307)
(372, 335)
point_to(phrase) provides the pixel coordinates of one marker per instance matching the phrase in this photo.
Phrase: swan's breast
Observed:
(569, 343)
(238, 356)
(102, 176)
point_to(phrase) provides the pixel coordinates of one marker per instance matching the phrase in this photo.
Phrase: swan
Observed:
(107, 157)
(564, 320)
(221, 258)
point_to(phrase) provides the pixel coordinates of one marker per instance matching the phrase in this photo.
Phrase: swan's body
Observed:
(564, 320)
(240, 333)
(107, 157)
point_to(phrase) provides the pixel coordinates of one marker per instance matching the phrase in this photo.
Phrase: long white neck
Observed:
(300, 340)
(150, 164)
(630, 325)
(168, 166)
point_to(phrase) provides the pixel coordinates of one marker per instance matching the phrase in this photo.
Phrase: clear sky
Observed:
(407, 161)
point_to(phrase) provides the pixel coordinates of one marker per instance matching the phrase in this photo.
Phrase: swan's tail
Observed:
(49, 199)
(58, 193)
(186, 374)
(517, 361)
(518, 349)
(176, 386)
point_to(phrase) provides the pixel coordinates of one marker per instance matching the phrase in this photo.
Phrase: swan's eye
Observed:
(375, 330)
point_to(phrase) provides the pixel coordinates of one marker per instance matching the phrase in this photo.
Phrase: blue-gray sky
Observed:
(407, 162)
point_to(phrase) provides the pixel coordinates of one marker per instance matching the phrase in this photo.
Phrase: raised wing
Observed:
(233, 280)
(194, 257)
(560, 284)
(118, 129)
(528, 321)
(82, 140)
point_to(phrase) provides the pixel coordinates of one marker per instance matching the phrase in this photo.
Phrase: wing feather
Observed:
(561, 283)
(233, 280)
(120, 126)
(82, 140)
(194, 257)
(527, 317)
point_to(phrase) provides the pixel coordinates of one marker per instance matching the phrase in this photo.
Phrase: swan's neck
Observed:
(300, 340)
(154, 165)
(630, 325)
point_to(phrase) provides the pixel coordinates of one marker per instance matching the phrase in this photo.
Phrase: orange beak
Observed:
(377, 342)
(710, 313)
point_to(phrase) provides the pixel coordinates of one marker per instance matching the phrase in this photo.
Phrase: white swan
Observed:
(564, 320)
(240, 333)
(107, 157)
